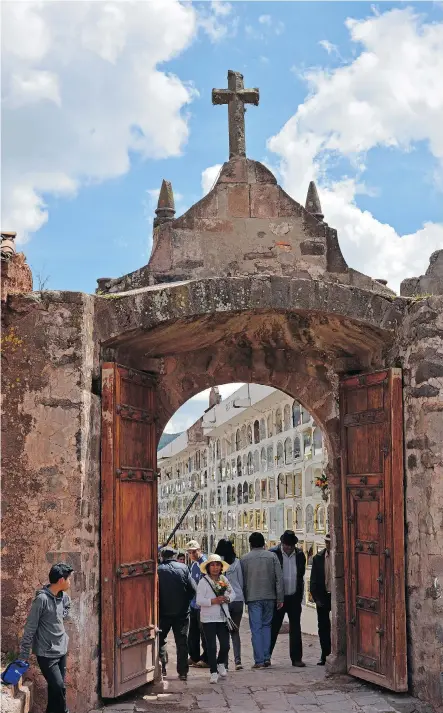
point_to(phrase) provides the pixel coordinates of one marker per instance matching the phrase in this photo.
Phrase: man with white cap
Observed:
(320, 588)
(195, 629)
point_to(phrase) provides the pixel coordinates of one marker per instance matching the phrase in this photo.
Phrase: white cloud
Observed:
(268, 26)
(209, 176)
(214, 20)
(383, 98)
(328, 46)
(83, 88)
(221, 8)
(33, 86)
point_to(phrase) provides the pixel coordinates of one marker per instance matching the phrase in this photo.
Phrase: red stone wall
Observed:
(16, 276)
(419, 351)
(50, 484)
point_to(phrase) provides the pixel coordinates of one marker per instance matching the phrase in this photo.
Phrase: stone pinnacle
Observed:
(313, 202)
(165, 207)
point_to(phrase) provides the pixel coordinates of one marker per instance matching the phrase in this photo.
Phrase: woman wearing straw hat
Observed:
(214, 593)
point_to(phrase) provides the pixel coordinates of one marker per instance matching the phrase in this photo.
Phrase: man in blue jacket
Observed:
(45, 633)
(176, 589)
(293, 564)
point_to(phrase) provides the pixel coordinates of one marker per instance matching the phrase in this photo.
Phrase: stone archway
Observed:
(202, 333)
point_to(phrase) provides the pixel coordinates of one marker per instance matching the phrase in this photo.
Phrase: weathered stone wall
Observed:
(419, 350)
(16, 275)
(246, 225)
(50, 484)
(195, 335)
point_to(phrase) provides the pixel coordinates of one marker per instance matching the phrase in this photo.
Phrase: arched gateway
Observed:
(246, 286)
(250, 286)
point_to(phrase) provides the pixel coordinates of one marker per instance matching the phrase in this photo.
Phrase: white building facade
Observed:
(254, 459)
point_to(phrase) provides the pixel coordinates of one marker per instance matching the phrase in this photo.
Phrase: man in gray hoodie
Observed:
(45, 633)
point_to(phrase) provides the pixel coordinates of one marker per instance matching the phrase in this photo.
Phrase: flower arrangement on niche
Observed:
(323, 484)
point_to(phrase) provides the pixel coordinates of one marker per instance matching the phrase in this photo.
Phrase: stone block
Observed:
(264, 201)
(425, 390)
(16, 276)
(428, 370)
(287, 206)
(263, 174)
(238, 201)
(215, 225)
(312, 247)
(234, 171)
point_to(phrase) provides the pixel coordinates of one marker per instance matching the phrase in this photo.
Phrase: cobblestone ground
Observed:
(279, 689)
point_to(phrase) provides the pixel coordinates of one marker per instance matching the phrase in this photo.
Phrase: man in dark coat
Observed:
(293, 564)
(320, 588)
(176, 590)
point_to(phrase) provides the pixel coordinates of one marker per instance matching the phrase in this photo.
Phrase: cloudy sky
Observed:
(102, 100)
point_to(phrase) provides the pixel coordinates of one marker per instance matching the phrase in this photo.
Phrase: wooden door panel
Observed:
(361, 459)
(129, 530)
(372, 478)
(136, 607)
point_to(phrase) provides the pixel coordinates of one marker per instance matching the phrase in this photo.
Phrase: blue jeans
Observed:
(260, 620)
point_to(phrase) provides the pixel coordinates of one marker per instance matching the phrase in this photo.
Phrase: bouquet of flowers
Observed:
(220, 587)
(322, 483)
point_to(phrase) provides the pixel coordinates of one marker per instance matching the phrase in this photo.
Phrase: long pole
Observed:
(181, 519)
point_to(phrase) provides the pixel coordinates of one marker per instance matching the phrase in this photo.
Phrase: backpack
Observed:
(14, 671)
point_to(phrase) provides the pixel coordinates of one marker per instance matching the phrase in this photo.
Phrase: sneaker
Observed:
(213, 678)
(258, 665)
(183, 677)
(267, 664)
(201, 664)
(299, 664)
(222, 670)
(238, 666)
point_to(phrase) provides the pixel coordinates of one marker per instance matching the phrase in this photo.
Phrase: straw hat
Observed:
(327, 537)
(214, 558)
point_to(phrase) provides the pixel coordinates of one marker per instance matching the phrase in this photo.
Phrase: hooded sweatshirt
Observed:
(44, 628)
(235, 576)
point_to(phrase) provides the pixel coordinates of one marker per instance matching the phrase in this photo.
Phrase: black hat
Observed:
(289, 538)
(167, 552)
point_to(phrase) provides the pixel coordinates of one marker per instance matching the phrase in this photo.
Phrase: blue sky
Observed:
(356, 104)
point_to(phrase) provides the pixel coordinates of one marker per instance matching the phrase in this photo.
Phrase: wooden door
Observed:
(128, 530)
(373, 519)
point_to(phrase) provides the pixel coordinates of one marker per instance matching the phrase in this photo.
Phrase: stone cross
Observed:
(236, 96)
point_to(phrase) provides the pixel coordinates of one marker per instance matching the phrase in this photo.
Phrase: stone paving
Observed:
(280, 689)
